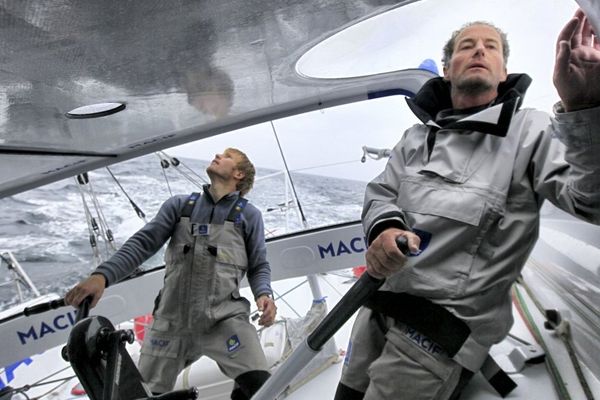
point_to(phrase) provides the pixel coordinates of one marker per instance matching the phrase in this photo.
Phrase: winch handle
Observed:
(83, 310)
(43, 307)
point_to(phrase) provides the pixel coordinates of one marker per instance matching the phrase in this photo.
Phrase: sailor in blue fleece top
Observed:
(216, 238)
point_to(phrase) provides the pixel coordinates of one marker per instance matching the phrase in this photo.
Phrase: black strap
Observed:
(189, 205)
(432, 320)
(499, 379)
(344, 392)
(439, 325)
(234, 213)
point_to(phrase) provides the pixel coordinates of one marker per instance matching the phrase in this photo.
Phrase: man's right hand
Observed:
(383, 256)
(92, 286)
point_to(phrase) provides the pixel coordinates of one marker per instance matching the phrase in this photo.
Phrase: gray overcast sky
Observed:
(329, 142)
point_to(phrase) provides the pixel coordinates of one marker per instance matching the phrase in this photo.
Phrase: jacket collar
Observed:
(206, 187)
(434, 100)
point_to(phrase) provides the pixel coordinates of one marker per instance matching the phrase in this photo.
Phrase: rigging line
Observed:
(281, 297)
(190, 178)
(41, 381)
(167, 180)
(286, 303)
(105, 230)
(327, 165)
(23, 389)
(204, 181)
(137, 210)
(187, 176)
(164, 164)
(100, 228)
(289, 176)
(282, 206)
(41, 396)
(176, 162)
(331, 285)
(89, 218)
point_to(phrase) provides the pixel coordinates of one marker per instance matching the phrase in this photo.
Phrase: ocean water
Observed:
(47, 231)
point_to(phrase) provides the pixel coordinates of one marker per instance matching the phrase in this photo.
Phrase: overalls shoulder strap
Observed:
(190, 203)
(236, 210)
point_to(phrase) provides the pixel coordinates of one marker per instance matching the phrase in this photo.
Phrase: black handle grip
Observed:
(84, 309)
(40, 308)
(402, 244)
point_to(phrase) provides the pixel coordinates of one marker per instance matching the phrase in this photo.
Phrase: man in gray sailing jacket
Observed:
(465, 188)
(216, 238)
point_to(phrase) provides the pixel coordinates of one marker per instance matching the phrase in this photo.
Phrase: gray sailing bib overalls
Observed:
(199, 310)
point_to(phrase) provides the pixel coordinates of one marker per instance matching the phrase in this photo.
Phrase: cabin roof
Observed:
(184, 70)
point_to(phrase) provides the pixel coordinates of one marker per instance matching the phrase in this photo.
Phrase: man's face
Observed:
(477, 63)
(224, 165)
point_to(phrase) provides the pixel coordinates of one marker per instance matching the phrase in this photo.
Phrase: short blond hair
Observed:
(247, 168)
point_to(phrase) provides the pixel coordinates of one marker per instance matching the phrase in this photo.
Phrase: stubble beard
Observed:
(473, 86)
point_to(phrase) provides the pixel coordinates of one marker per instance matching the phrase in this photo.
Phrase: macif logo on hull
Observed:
(333, 249)
(59, 323)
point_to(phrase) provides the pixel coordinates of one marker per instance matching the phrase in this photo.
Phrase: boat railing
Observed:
(17, 276)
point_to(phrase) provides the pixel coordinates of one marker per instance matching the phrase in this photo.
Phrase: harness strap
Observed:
(432, 320)
(439, 325)
(234, 213)
(189, 205)
(236, 210)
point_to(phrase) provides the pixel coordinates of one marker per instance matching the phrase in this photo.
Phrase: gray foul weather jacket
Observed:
(471, 183)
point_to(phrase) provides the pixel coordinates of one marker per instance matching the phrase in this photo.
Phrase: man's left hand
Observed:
(577, 66)
(268, 310)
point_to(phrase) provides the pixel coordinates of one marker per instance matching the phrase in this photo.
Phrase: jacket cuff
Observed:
(383, 223)
(559, 108)
(263, 294)
(104, 275)
(577, 128)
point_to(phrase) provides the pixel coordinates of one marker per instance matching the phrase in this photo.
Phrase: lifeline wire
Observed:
(138, 210)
